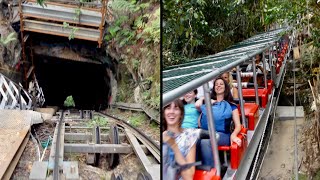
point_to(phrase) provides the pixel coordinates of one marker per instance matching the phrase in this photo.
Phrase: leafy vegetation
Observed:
(69, 102)
(73, 30)
(133, 39)
(137, 120)
(41, 3)
(202, 27)
(6, 40)
(98, 121)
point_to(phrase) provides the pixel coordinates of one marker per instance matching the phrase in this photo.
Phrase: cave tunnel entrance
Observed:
(61, 71)
(86, 82)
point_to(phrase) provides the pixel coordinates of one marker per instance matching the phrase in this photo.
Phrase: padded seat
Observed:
(236, 152)
(205, 173)
(262, 93)
(270, 85)
(252, 114)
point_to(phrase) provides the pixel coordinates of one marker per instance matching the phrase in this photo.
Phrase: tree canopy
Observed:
(203, 27)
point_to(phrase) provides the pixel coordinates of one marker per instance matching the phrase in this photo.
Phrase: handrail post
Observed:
(271, 62)
(264, 70)
(255, 80)
(244, 123)
(211, 128)
(20, 98)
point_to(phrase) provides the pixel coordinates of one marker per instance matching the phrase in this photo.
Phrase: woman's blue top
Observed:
(222, 115)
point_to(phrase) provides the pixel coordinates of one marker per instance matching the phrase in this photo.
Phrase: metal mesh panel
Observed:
(212, 58)
(176, 79)
(173, 84)
(198, 68)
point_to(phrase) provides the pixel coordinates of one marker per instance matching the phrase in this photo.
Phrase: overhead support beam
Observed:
(59, 30)
(82, 23)
(61, 14)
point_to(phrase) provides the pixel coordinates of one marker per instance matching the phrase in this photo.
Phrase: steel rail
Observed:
(74, 5)
(59, 29)
(61, 14)
(151, 145)
(56, 175)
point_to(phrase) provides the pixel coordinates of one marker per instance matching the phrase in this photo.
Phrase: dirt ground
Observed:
(129, 166)
(279, 159)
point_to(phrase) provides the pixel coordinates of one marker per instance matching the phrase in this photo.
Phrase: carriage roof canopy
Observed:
(180, 79)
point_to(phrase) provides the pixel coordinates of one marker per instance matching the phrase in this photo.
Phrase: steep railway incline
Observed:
(257, 102)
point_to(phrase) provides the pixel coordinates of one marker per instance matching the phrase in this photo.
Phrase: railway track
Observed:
(140, 108)
(152, 146)
(147, 146)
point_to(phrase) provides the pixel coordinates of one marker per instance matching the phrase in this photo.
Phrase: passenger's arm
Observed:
(199, 103)
(268, 66)
(191, 158)
(180, 159)
(199, 120)
(235, 93)
(261, 68)
(237, 129)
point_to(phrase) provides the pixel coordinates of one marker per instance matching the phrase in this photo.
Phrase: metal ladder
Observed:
(13, 96)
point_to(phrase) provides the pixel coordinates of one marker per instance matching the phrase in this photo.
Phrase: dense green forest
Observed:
(202, 27)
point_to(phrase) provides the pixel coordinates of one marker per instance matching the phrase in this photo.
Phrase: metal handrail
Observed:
(13, 96)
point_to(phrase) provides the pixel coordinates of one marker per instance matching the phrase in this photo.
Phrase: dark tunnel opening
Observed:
(88, 83)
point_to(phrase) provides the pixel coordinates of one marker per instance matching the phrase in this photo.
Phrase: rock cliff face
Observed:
(10, 47)
(134, 43)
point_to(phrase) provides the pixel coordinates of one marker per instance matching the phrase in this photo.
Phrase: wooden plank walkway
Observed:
(151, 168)
(14, 128)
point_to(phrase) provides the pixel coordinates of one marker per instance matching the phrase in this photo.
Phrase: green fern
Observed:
(123, 5)
(77, 11)
(152, 33)
(139, 22)
(41, 3)
(72, 34)
(11, 37)
(65, 24)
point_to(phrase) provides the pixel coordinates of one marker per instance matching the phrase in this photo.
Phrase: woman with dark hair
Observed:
(178, 143)
(224, 111)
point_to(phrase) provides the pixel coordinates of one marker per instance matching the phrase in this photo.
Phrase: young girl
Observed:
(191, 114)
(182, 142)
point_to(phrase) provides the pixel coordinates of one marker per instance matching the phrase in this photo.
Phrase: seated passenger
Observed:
(224, 111)
(233, 90)
(259, 65)
(259, 68)
(191, 114)
(178, 144)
